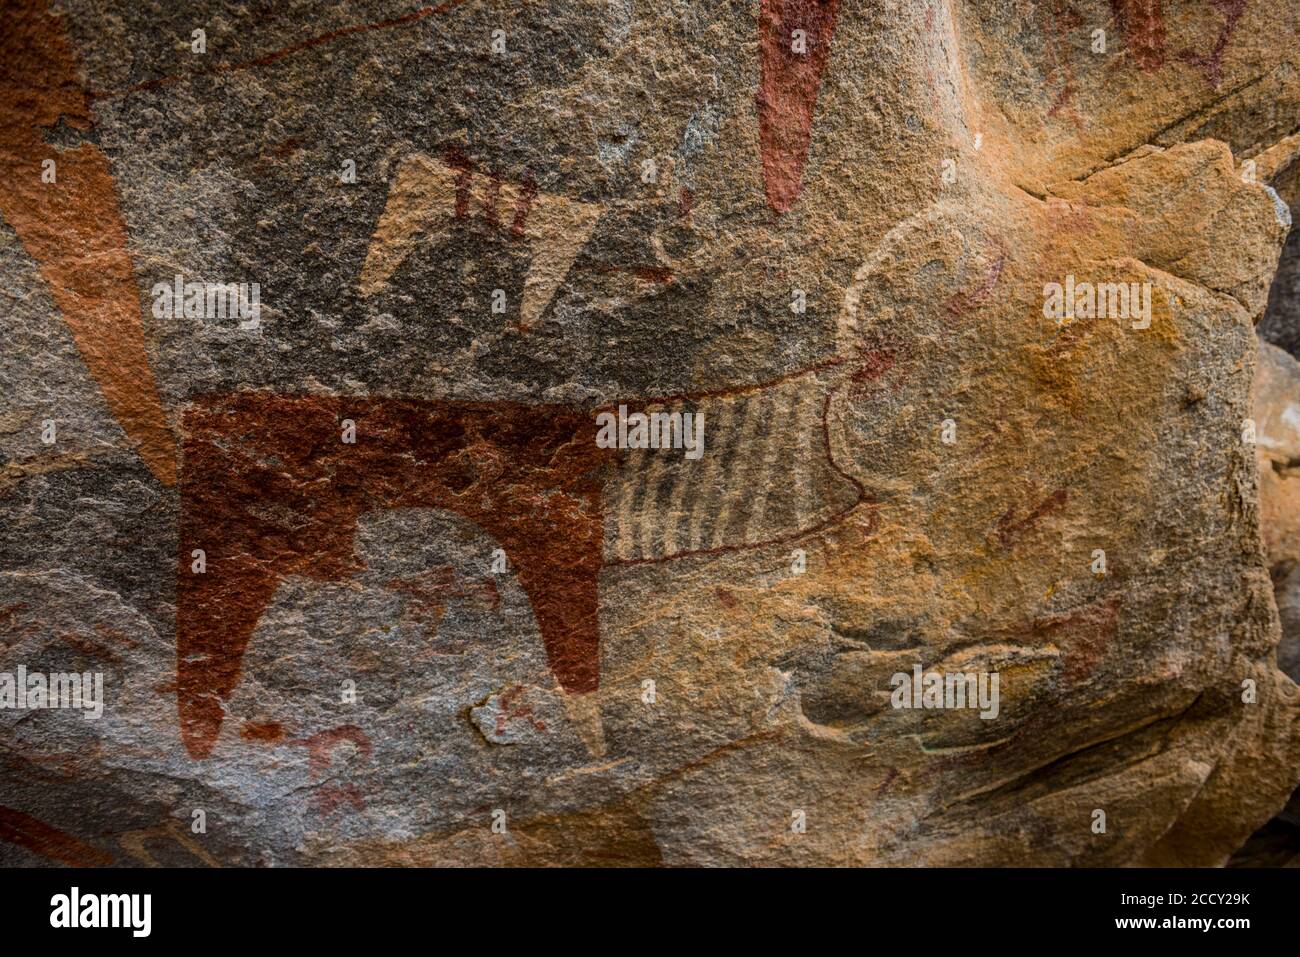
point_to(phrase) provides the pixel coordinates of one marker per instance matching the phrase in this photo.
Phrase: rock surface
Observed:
(363, 587)
(1277, 424)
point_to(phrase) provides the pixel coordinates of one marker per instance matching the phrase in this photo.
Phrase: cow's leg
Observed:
(216, 613)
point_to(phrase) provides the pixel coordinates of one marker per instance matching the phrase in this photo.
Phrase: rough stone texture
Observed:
(1277, 423)
(1281, 323)
(920, 174)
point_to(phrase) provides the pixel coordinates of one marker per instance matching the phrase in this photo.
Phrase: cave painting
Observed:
(790, 76)
(72, 228)
(1143, 25)
(267, 487)
(270, 489)
(427, 195)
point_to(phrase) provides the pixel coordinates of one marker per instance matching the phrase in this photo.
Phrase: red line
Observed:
(280, 54)
(40, 838)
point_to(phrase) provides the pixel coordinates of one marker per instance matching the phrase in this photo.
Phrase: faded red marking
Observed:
(880, 363)
(1059, 51)
(280, 54)
(875, 363)
(430, 591)
(262, 731)
(1212, 62)
(273, 158)
(320, 744)
(9, 612)
(685, 203)
(329, 799)
(1085, 633)
(1063, 98)
(963, 302)
(787, 93)
(109, 633)
(513, 708)
(438, 585)
(1143, 25)
(287, 147)
(727, 599)
(40, 838)
(889, 779)
(1062, 219)
(1009, 530)
(526, 197)
(88, 646)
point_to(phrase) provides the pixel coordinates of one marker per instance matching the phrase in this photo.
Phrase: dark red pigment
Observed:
(269, 489)
(1143, 24)
(17, 827)
(787, 93)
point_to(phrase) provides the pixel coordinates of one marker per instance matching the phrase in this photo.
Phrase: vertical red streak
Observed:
(1143, 24)
(685, 202)
(788, 86)
(464, 177)
(526, 197)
